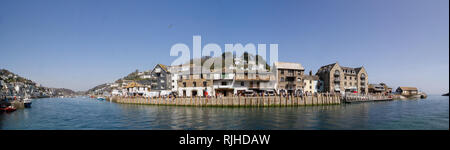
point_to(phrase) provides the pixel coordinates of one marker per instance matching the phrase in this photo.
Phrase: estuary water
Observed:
(85, 114)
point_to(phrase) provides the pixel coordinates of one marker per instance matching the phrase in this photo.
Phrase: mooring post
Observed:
(293, 101)
(239, 100)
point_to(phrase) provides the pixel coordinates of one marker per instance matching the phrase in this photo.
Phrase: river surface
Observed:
(85, 114)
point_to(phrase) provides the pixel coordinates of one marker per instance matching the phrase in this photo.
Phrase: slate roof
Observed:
(288, 65)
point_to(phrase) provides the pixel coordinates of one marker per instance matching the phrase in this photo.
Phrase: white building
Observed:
(116, 92)
(136, 89)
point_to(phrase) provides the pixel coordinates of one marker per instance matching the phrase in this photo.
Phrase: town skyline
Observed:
(94, 44)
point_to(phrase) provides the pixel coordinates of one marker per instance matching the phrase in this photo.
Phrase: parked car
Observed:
(270, 93)
(249, 93)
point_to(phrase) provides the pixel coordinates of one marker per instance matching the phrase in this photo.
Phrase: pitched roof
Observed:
(164, 67)
(308, 77)
(408, 88)
(325, 68)
(288, 65)
(133, 84)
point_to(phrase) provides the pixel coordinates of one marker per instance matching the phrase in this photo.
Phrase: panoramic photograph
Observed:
(224, 65)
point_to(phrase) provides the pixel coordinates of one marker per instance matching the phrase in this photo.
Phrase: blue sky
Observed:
(82, 43)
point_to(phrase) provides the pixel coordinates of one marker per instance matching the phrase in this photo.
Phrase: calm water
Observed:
(79, 113)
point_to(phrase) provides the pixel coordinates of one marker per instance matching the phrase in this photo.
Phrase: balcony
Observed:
(291, 74)
(227, 76)
(363, 76)
(337, 79)
(291, 84)
(222, 86)
(336, 74)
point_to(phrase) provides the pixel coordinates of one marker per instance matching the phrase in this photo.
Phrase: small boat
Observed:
(100, 98)
(8, 109)
(27, 102)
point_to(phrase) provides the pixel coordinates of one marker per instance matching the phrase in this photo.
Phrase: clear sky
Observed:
(82, 43)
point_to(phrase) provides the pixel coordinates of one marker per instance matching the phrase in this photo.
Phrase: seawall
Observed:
(232, 101)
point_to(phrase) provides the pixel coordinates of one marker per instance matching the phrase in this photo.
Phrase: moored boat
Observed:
(8, 109)
(100, 98)
(27, 102)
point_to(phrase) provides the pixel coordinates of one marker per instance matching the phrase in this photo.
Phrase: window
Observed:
(310, 81)
(310, 87)
(350, 78)
(195, 84)
(282, 71)
(345, 83)
(242, 83)
(345, 77)
(282, 79)
(205, 83)
(337, 73)
(184, 84)
(224, 83)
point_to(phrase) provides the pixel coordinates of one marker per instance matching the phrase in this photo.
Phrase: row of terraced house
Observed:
(284, 78)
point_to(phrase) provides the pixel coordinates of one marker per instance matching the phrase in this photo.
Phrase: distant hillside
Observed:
(10, 80)
(133, 76)
(9, 77)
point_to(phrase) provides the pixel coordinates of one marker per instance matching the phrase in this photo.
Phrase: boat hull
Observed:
(27, 105)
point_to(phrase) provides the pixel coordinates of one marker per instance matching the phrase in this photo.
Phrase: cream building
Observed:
(339, 79)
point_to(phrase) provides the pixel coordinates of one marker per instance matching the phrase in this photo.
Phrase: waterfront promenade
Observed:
(236, 101)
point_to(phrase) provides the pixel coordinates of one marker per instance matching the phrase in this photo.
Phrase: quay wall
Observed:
(231, 101)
